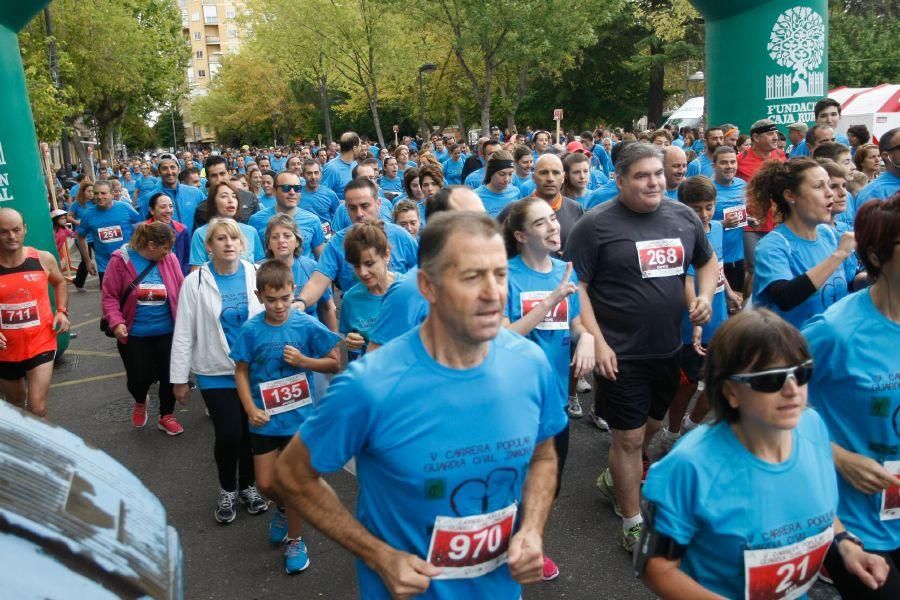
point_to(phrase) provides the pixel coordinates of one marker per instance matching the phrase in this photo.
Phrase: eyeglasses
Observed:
(774, 379)
(897, 147)
(286, 187)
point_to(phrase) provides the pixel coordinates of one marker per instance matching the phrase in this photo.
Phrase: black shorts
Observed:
(643, 388)
(691, 364)
(16, 370)
(263, 444)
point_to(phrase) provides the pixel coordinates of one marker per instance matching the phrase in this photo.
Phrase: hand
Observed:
(863, 473)
(700, 311)
(697, 340)
(847, 244)
(583, 361)
(182, 393)
(732, 220)
(258, 417)
(871, 569)
(605, 360)
(565, 288)
(734, 300)
(354, 341)
(92, 270)
(526, 556)
(405, 575)
(752, 221)
(2, 342)
(293, 357)
(121, 333)
(60, 323)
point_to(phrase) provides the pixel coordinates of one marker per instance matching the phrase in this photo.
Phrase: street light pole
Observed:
(174, 136)
(426, 68)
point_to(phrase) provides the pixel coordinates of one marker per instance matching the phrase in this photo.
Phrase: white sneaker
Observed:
(574, 408)
(687, 424)
(668, 439)
(600, 422)
(582, 386)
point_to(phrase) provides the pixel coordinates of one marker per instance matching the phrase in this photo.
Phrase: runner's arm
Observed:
(860, 471)
(540, 487)
(871, 569)
(317, 251)
(664, 578)
(60, 291)
(314, 288)
(328, 314)
(607, 364)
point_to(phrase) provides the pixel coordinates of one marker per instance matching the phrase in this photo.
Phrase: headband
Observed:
(730, 130)
(496, 165)
(764, 128)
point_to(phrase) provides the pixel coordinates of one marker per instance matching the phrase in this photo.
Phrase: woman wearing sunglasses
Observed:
(745, 507)
(855, 389)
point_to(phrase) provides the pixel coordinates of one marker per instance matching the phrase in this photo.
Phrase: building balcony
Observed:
(213, 39)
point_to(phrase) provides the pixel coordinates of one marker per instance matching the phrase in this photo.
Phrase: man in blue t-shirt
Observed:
(185, 198)
(703, 164)
(109, 224)
(481, 447)
(888, 183)
(337, 173)
(316, 198)
(731, 212)
(827, 113)
(287, 198)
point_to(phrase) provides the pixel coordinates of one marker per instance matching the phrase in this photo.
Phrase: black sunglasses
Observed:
(774, 379)
(287, 187)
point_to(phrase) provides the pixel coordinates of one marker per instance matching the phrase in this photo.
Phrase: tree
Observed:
(861, 47)
(163, 129)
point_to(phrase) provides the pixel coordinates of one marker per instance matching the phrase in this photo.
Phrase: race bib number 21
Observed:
(787, 572)
(661, 258)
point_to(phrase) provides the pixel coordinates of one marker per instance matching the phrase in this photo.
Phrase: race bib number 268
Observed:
(661, 258)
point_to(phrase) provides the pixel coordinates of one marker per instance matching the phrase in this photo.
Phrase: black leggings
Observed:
(146, 360)
(852, 588)
(234, 459)
(82, 272)
(561, 444)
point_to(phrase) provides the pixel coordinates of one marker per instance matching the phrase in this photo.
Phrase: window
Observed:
(213, 70)
(197, 135)
(232, 33)
(201, 73)
(210, 16)
(229, 14)
(184, 17)
(195, 16)
(198, 35)
(190, 74)
(199, 54)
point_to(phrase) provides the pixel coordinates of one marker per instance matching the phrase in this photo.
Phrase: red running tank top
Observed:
(26, 319)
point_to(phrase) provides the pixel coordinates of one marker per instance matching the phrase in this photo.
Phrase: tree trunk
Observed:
(460, 124)
(326, 109)
(373, 107)
(510, 121)
(657, 75)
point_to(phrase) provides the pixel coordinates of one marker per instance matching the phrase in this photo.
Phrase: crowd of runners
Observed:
(424, 316)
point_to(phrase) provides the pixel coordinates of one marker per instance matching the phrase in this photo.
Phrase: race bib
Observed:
(739, 210)
(326, 229)
(661, 258)
(556, 318)
(285, 394)
(466, 547)
(19, 316)
(720, 281)
(110, 234)
(890, 498)
(787, 572)
(152, 294)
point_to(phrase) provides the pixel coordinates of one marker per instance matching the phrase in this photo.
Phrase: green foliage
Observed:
(862, 48)
(162, 129)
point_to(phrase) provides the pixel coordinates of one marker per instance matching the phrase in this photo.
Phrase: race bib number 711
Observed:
(661, 258)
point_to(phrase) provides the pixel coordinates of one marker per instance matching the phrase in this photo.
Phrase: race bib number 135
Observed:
(661, 258)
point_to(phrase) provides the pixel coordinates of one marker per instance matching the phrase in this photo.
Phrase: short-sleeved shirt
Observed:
(402, 309)
(303, 268)
(884, 186)
(233, 291)
(261, 346)
(782, 256)
(323, 203)
(391, 185)
(731, 197)
(701, 165)
(110, 228)
(453, 171)
(333, 262)
(719, 303)
(153, 315)
(77, 211)
(715, 497)
(604, 193)
(855, 389)
(342, 217)
(528, 287)
(475, 179)
(634, 265)
(465, 452)
(493, 201)
(310, 227)
(359, 311)
(253, 246)
(336, 175)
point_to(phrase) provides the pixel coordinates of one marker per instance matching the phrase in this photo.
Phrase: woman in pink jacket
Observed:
(141, 315)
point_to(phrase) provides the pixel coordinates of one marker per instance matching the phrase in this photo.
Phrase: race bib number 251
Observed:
(661, 258)
(466, 547)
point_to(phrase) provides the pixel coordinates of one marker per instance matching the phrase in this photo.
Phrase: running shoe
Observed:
(551, 571)
(668, 439)
(278, 527)
(253, 500)
(168, 424)
(631, 537)
(645, 460)
(225, 512)
(608, 490)
(582, 386)
(599, 421)
(296, 558)
(139, 414)
(574, 408)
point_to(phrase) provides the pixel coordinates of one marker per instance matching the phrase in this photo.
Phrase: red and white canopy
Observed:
(878, 108)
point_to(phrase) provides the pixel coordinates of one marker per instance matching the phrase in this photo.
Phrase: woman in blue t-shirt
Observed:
(801, 266)
(223, 203)
(542, 304)
(390, 182)
(746, 507)
(267, 190)
(215, 301)
(367, 250)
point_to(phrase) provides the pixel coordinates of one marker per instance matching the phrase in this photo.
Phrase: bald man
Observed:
(28, 325)
(675, 166)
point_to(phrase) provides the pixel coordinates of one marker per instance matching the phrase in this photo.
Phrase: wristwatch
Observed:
(846, 535)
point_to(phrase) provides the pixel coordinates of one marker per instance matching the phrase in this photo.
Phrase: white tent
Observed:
(878, 108)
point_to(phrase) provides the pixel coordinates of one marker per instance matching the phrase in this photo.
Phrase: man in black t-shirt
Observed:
(631, 256)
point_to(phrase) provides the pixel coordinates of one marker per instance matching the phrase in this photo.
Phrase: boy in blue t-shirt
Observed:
(699, 193)
(275, 356)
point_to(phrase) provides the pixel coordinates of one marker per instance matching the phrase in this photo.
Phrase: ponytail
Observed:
(515, 221)
(770, 182)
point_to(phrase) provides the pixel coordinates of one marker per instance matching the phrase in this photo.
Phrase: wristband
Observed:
(846, 535)
(64, 311)
(305, 305)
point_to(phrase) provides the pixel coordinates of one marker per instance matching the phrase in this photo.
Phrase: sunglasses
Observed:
(774, 379)
(286, 187)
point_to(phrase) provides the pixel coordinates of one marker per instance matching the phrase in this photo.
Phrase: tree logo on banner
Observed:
(797, 42)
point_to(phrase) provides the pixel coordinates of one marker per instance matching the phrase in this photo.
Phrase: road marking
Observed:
(85, 323)
(92, 353)
(88, 379)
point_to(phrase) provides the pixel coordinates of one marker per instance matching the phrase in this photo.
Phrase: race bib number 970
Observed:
(787, 572)
(661, 258)
(556, 318)
(287, 393)
(466, 547)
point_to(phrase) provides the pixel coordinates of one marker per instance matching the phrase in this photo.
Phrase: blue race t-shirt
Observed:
(153, 315)
(359, 311)
(402, 309)
(391, 185)
(453, 171)
(185, 199)
(336, 175)
(323, 203)
(884, 186)
(728, 506)
(520, 181)
(465, 452)
(303, 269)
(731, 197)
(144, 187)
(604, 193)
(233, 289)
(701, 166)
(110, 229)
(310, 227)
(261, 346)
(494, 202)
(855, 388)
(475, 179)
(333, 262)
(342, 217)
(719, 304)
(253, 246)
(266, 202)
(782, 256)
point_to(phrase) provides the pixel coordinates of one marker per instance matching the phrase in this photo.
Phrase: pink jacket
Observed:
(120, 272)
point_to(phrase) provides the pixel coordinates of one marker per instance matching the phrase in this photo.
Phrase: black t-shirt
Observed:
(635, 265)
(568, 214)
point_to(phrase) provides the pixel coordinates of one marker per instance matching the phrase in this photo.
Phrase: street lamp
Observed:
(426, 68)
(275, 116)
(697, 76)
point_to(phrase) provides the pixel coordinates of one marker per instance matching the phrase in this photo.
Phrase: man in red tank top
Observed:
(28, 326)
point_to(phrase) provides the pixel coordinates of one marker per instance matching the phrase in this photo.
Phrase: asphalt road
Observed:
(89, 397)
